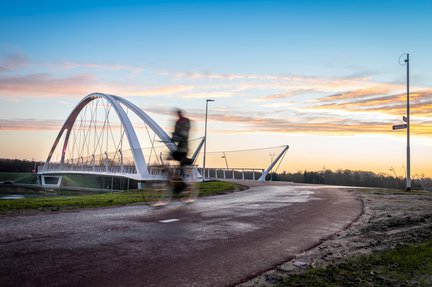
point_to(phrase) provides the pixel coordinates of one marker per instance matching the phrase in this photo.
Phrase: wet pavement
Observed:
(217, 241)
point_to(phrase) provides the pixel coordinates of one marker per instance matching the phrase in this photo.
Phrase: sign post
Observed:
(408, 176)
(400, 127)
(406, 126)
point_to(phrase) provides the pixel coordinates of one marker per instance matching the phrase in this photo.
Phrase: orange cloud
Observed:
(248, 122)
(315, 124)
(355, 94)
(45, 85)
(149, 91)
(420, 103)
(284, 95)
(30, 124)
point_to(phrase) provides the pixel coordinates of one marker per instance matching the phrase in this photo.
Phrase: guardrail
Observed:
(58, 167)
(211, 173)
(233, 173)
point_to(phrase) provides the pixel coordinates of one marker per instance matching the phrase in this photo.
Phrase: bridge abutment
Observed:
(53, 181)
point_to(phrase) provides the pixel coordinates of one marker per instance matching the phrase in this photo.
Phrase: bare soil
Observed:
(389, 219)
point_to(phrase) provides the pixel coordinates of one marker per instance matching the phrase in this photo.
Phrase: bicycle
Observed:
(172, 182)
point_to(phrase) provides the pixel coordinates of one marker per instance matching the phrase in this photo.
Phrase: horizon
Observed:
(322, 77)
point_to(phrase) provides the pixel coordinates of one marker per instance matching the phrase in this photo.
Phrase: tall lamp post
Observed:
(406, 126)
(408, 177)
(205, 138)
(226, 161)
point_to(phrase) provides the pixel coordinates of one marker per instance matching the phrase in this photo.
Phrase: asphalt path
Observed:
(217, 241)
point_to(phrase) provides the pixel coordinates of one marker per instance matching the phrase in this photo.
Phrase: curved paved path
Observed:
(217, 241)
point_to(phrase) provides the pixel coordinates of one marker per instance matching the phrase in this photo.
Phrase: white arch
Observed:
(150, 122)
(140, 164)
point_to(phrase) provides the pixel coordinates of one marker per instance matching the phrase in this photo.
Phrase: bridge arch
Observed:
(117, 104)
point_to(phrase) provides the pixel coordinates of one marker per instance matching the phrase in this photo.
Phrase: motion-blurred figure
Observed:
(181, 137)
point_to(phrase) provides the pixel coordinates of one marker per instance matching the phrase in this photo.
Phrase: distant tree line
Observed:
(18, 165)
(348, 177)
(344, 177)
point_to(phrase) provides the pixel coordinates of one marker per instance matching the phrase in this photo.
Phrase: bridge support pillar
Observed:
(52, 181)
(141, 184)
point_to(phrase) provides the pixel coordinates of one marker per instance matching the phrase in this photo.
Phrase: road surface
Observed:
(217, 241)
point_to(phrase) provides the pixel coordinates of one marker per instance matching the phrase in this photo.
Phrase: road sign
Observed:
(399, 127)
(404, 118)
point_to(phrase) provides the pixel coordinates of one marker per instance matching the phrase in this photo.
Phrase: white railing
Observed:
(158, 170)
(233, 173)
(58, 167)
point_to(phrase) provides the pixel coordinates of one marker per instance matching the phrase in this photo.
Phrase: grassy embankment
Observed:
(92, 200)
(19, 177)
(403, 266)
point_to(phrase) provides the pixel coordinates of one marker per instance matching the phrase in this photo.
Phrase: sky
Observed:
(328, 78)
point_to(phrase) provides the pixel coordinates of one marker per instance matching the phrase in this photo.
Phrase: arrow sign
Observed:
(399, 127)
(404, 118)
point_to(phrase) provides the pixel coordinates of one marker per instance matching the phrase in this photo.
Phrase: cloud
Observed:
(278, 105)
(355, 94)
(420, 103)
(288, 94)
(103, 67)
(12, 62)
(341, 89)
(46, 85)
(30, 124)
(292, 82)
(370, 102)
(151, 91)
(260, 122)
(334, 124)
(208, 95)
(248, 124)
(216, 76)
(49, 84)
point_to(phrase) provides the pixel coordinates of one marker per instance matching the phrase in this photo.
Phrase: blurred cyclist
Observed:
(181, 137)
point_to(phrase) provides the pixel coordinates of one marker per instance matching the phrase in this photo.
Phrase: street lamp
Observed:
(408, 179)
(226, 161)
(406, 126)
(205, 137)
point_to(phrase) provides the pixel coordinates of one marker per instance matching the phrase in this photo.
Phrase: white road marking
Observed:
(169, 220)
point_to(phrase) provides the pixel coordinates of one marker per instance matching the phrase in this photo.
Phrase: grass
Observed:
(81, 180)
(218, 187)
(93, 200)
(54, 203)
(403, 266)
(390, 191)
(18, 177)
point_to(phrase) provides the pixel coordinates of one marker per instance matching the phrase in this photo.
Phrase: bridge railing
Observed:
(233, 173)
(64, 167)
(158, 170)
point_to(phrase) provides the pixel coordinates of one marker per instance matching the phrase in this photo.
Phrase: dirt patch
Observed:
(389, 219)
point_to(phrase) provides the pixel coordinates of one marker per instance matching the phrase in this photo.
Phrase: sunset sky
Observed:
(321, 76)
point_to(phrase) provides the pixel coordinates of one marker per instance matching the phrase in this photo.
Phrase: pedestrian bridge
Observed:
(106, 135)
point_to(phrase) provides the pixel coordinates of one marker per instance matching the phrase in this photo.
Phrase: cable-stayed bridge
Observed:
(107, 135)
